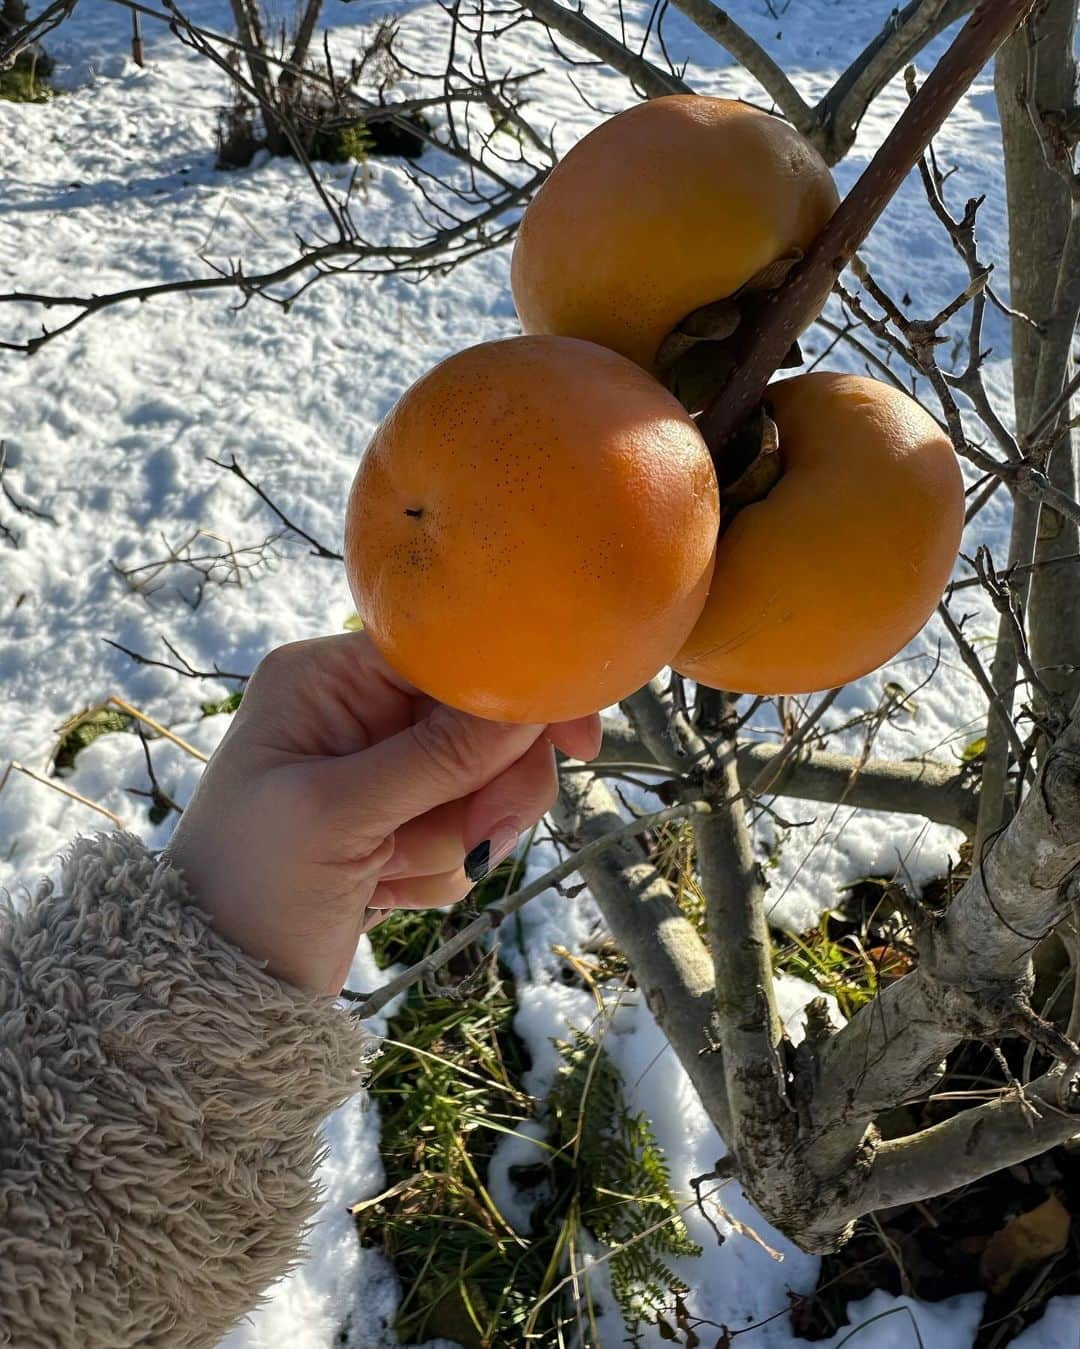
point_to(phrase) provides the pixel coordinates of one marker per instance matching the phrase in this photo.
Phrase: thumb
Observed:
(446, 755)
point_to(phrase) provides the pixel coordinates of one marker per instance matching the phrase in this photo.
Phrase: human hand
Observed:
(339, 793)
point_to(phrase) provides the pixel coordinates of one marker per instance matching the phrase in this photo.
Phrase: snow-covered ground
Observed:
(110, 428)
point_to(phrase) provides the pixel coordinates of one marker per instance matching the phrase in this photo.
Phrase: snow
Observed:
(1056, 1330)
(110, 429)
(885, 1322)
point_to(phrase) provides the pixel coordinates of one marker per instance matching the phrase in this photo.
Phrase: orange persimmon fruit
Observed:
(843, 561)
(530, 533)
(660, 210)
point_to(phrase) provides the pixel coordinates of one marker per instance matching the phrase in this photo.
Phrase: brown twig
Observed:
(183, 668)
(975, 665)
(317, 549)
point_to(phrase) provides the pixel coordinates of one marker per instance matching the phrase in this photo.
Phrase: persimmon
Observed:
(530, 533)
(660, 210)
(845, 558)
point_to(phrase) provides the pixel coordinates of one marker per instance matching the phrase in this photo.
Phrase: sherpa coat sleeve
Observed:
(160, 1099)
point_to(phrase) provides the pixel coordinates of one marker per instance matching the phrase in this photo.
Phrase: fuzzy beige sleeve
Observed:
(161, 1096)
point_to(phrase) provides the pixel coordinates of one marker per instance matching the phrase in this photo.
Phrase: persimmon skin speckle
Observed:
(530, 534)
(661, 209)
(841, 564)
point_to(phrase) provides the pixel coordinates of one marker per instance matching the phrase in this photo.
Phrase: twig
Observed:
(157, 794)
(184, 668)
(22, 507)
(493, 915)
(15, 766)
(975, 665)
(1025, 568)
(317, 549)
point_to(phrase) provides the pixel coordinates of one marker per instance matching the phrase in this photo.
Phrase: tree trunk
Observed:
(12, 17)
(250, 32)
(1040, 215)
(302, 43)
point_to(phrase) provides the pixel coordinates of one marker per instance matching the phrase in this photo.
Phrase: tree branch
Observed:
(974, 1143)
(716, 23)
(974, 972)
(904, 35)
(762, 1131)
(317, 549)
(764, 1127)
(941, 792)
(305, 31)
(936, 791)
(669, 960)
(650, 79)
(785, 312)
(249, 30)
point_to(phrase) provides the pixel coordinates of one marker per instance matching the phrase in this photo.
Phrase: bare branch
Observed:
(317, 549)
(722, 28)
(183, 665)
(785, 312)
(305, 31)
(748, 1027)
(975, 1143)
(923, 787)
(941, 792)
(249, 29)
(905, 33)
(669, 960)
(974, 975)
(650, 79)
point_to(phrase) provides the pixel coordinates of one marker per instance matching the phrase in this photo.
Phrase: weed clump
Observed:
(449, 1087)
(26, 80)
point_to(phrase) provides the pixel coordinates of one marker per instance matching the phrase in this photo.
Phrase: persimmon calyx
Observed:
(750, 467)
(699, 353)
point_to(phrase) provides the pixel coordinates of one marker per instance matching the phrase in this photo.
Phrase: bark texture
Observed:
(1044, 281)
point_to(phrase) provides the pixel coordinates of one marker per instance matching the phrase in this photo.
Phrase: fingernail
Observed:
(490, 852)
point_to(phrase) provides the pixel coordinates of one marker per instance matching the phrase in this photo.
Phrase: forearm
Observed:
(161, 1099)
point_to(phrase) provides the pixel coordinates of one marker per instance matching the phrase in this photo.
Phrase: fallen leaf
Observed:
(1028, 1239)
(888, 962)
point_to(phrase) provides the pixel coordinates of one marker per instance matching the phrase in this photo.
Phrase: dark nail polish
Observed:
(478, 861)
